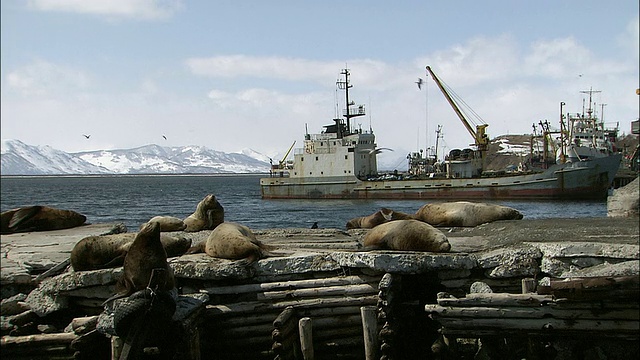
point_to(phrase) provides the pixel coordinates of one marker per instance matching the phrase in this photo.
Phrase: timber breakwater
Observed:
(548, 288)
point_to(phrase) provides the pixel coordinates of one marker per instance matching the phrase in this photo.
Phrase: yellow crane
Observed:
(284, 158)
(480, 137)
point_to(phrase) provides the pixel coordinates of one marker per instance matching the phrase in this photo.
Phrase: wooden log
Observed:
(336, 333)
(293, 284)
(336, 322)
(306, 338)
(37, 340)
(350, 342)
(253, 307)
(328, 311)
(286, 330)
(285, 316)
(250, 330)
(345, 290)
(528, 285)
(549, 326)
(500, 299)
(370, 331)
(83, 325)
(531, 312)
(116, 347)
(245, 319)
(595, 305)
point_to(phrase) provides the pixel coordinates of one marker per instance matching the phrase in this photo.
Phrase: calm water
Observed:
(133, 200)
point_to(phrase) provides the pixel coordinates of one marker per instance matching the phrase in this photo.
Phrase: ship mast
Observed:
(345, 85)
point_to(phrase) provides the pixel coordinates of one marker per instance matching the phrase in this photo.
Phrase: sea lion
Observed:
(209, 214)
(406, 235)
(233, 241)
(464, 213)
(146, 257)
(379, 217)
(168, 223)
(106, 251)
(39, 218)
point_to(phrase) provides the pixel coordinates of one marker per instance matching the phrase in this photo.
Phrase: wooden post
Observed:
(528, 285)
(116, 347)
(370, 330)
(306, 338)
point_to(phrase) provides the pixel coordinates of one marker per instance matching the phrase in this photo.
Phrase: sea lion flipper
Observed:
(115, 262)
(197, 248)
(23, 215)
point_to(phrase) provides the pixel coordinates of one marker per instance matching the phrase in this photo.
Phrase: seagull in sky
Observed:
(86, 136)
(419, 82)
(375, 151)
(164, 137)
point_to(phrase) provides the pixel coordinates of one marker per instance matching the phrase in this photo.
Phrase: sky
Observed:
(233, 75)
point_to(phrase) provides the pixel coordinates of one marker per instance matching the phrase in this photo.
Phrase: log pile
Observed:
(582, 308)
(259, 320)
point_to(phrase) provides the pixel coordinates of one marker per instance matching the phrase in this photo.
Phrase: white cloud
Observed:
(143, 9)
(42, 78)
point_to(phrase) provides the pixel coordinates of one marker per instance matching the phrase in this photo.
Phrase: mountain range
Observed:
(18, 158)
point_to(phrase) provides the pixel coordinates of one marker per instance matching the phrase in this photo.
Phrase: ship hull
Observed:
(578, 180)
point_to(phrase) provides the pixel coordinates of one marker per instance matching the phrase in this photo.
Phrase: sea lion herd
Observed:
(388, 230)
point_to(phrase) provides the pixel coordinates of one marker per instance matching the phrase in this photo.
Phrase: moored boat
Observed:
(341, 163)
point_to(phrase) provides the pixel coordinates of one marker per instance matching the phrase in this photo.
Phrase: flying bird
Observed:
(419, 82)
(87, 136)
(374, 151)
(164, 137)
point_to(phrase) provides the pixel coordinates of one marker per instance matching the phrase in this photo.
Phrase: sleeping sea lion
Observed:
(464, 213)
(209, 214)
(107, 251)
(39, 218)
(233, 241)
(407, 235)
(168, 223)
(379, 217)
(145, 257)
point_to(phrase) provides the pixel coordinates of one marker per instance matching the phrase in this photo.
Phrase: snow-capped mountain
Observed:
(22, 159)
(19, 158)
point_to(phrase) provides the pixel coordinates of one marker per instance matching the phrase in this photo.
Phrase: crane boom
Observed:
(479, 135)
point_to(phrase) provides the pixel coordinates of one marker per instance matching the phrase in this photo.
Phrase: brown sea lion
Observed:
(406, 235)
(168, 223)
(39, 218)
(106, 251)
(379, 217)
(209, 214)
(464, 213)
(145, 257)
(233, 241)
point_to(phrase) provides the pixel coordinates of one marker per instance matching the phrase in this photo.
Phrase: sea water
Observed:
(134, 199)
